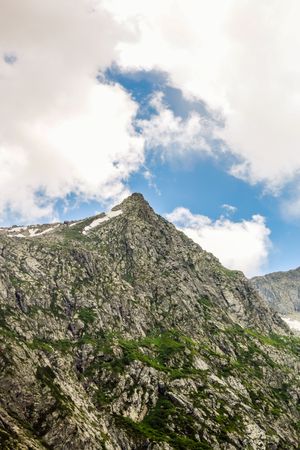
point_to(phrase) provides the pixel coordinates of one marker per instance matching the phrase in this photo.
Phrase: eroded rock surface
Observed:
(281, 290)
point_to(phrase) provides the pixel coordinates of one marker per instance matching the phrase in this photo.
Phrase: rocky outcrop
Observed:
(119, 332)
(281, 290)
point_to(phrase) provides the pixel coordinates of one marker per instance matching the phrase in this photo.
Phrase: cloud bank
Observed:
(173, 135)
(237, 56)
(61, 131)
(238, 245)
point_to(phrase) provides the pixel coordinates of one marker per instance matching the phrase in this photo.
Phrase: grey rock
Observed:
(281, 290)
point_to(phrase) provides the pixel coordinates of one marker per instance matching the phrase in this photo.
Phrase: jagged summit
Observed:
(137, 199)
(134, 204)
(118, 332)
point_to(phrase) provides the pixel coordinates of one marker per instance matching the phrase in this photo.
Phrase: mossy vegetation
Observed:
(47, 377)
(289, 343)
(168, 351)
(205, 301)
(87, 315)
(233, 274)
(73, 233)
(102, 396)
(166, 422)
(38, 344)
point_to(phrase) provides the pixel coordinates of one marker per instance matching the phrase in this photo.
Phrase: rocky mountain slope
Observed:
(281, 290)
(118, 332)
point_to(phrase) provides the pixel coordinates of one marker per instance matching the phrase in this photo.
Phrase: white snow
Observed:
(34, 233)
(49, 229)
(294, 324)
(97, 222)
(112, 214)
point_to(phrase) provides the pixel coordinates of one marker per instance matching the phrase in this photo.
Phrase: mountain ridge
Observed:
(133, 337)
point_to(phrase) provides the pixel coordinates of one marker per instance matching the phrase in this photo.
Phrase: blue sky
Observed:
(162, 98)
(201, 184)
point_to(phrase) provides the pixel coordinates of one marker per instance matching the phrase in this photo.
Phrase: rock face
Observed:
(118, 332)
(281, 290)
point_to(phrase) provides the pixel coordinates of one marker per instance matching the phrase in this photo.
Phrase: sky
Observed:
(195, 104)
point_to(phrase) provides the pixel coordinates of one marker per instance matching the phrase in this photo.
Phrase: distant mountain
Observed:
(281, 290)
(118, 332)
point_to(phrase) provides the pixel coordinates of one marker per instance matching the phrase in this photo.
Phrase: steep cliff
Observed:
(118, 332)
(281, 290)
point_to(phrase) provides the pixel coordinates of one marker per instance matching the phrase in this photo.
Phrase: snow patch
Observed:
(34, 233)
(292, 323)
(97, 222)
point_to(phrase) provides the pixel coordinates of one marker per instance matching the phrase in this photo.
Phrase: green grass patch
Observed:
(165, 422)
(205, 301)
(38, 344)
(48, 378)
(87, 315)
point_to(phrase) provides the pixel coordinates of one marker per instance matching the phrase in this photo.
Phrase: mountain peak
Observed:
(137, 197)
(118, 332)
(134, 200)
(137, 205)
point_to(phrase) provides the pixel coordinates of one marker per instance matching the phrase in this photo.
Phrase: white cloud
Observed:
(229, 209)
(60, 130)
(290, 205)
(240, 58)
(239, 245)
(173, 135)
